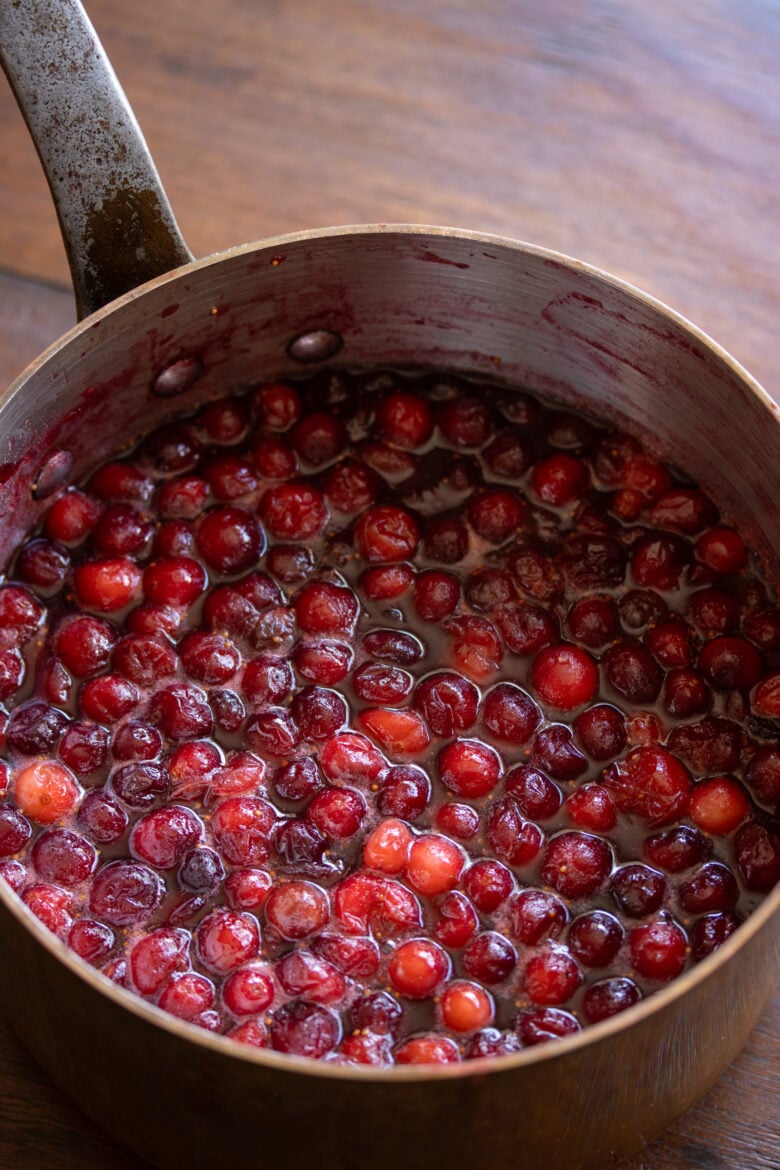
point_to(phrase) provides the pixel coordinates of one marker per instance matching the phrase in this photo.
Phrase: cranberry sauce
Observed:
(389, 719)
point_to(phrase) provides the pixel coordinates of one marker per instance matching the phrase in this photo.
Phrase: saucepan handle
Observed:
(117, 224)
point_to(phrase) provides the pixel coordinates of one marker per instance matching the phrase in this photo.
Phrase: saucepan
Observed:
(160, 334)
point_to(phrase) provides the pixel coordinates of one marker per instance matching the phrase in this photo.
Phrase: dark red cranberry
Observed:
(710, 932)
(83, 747)
(163, 836)
(576, 864)
(757, 849)
(489, 958)
(730, 663)
(496, 514)
(42, 564)
(593, 621)
(298, 780)
(15, 831)
(101, 816)
(595, 938)
(305, 1029)
(658, 561)
(488, 589)
(556, 754)
(538, 797)
(514, 839)
(763, 775)
(510, 713)
(591, 561)
(711, 887)
(591, 807)
(436, 595)
(124, 893)
(446, 540)
(229, 539)
(181, 712)
(108, 697)
(324, 661)
(375, 682)
(404, 792)
(294, 511)
(709, 746)
(658, 950)
(35, 728)
(134, 740)
(460, 821)
(676, 849)
(393, 646)
(640, 608)
(355, 957)
(535, 574)
(144, 659)
(324, 608)
(762, 627)
(545, 1024)
(509, 455)
(70, 517)
(526, 629)
(121, 530)
(685, 510)
(141, 783)
(488, 884)
(637, 889)
(200, 870)
(63, 857)
(558, 479)
(714, 611)
(537, 916)
(632, 672)
(601, 731)
(171, 448)
(685, 693)
(209, 658)
(465, 421)
(608, 997)
(448, 702)
(92, 941)
(300, 846)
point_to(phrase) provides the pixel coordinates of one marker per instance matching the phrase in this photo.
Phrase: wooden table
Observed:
(643, 138)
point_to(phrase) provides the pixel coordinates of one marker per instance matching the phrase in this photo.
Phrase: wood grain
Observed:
(643, 138)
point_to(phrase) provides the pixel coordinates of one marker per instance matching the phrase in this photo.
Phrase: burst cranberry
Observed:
(489, 589)
(366, 901)
(294, 511)
(537, 916)
(324, 661)
(685, 510)
(353, 956)
(350, 487)
(711, 745)
(348, 758)
(385, 533)
(515, 840)
(102, 817)
(564, 676)
(405, 420)
(12, 672)
(308, 976)
(658, 561)
(291, 563)
(399, 732)
(650, 783)
(376, 683)
(658, 950)
(181, 711)
(141, 783)
(448, 703)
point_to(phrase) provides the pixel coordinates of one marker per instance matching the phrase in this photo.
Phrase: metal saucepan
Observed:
(388, 296)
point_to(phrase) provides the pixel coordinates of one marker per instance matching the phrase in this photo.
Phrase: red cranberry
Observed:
(763, 776)
(298, 780)
(658, 950)
(225, 940)
(435, 864)
(393, 646)
(730, 663)
(337, 812)
(446, 540)
(457, 920)
(659, 560)
(632, 672)
(465, 422)
(591, 807)
(319, 713)
(551, 976)
(714, 611)
(297, 909)
(108, 698)
(247, 889)
(709, 746)
(294, 511)
(670, 642)
(229, 539)
(593, 621)
(595, 938)
(51, 906)
(559, 479)
(42, 564)
(92, 941)
(489, 958)
(318, 438)
(63, 857)
(476, 647)
(181, 712)
(356, 957)
(510, 713)
(187, 995)
(144, 659)
(120, 481)
(156, 956)
(384, 533)
(685, 510)
(537, 916)
(545, 1024)
(685, 693)
(399, 732)
(564, 676)
(364, 900)
(385, 582)
(436, 595)
(70, 517)
(179, 501)
(102, 817)
(15, 831)
(496, 514)
(324, 661)
(711, 887)
(538, 797)
(83, 747)
(350, 487)
(248, 991)
(377, 1012)
(509, 455)
(107, 585)
(376, 683)
(124, 893)
(757, 849)
(448, 703)
(650, 783)
(460, 821)
(637, 889)
(404, 792)
(133, 740)
(469, 767)
(348, 758)
(162, 837)
(242, 828)
(576, 864)
(710, 932)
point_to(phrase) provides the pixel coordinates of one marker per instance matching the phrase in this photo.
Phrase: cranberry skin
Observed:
(489, 958)
(650, 783)
(162, 837)
(394, 647)
(757, 849)
(448, 702)
(83, 748)
(15, 831)
(537, 916)
(63, 857)
(545, 1024)
(593, 621)
(404, 792)
(385, 533)
(555, 752)
(225, 939)
(539, 798)
(365, 900)
(469, 768)
(564, 676)
(637, 889)
(685, 510)
(595, 938)
(608, 997)
(319, 713)
(156, 956)
(348, 758)
(242, 827)
(229, 539)
(305, 1029)
(659, 560)
(632, 672)
(124, 893)
(436, 595)
(376, 683)
(510, 714)
(141, 783)
(658, 950)
(297, 909)
(710, 932)
(730, 663)
(267, 679)
(576, 864)
(104, 819)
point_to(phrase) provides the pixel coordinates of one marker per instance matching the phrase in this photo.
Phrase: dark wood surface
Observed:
(643, 138)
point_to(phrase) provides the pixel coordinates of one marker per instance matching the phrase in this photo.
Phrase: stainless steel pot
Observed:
(387, 296)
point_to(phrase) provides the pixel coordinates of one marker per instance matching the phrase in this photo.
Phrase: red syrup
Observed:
(386, 719)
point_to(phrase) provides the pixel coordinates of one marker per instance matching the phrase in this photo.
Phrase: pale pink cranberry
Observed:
(650, 783)
(324, 661)
(514, 839)
(418, 967)
(457, 920)
(305, 1029)
(242, 827)
(248, 991)
(124, 893)
(297, 909)
(539, 798)
(226, 939)
(405, 420)
(536, 916)
(156, 956)
(488, 884)
(576, 864)
(594, 938)
(386, 533)
(469, 767)
(658, 950)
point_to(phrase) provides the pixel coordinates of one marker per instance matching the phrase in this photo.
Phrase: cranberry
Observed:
(488, 884)
(133, 740)
(156, 956)
(42, 564)
(418, 967)
(489, 958)
(187, 995)
(376, 683)
(51, 906)
(70, 517)
(460, 821)
(162, 837)
(685, 693)
(348, 758)
(710, 745)
(446, 540)
(632, 672)
(108, 698)
(677, 849)
(448, 703)
(399, 732)
(595, 938)
(730, 662)
(545, 1024)
(294, 511)
(35, 728)
(608, 997)
(659, 561)
(465, 422)
(384, 533)
(248, 991)
(558, 479)
(593, 621)
(555, 752)
(107, 585)
(91, 940)
(247, 889)
(46, 792)
(297, 909)
(12, 672)
(592, 561)
(337, 812)
(15, 831)
(365, 900)
(385, 582)
(640, 608)
(435, 864)
(181, 712)
(124, 893)
(404, 792)
(564, 676)
(325, 661)
(714, 611)
(350, 487)
(551, 976)
(436, 595)
(318, 438)
(591, 807)
(144, 658)
(757, 849)
(710, 932)
(720, 804)
(576, 864)
(509, 455)
(496, 514)
(242, 829)
(709, 888)
(377, 1012)
(510, 713)
(200, 870)
(537, 916)
(658, 950)
(538, 797)
(298, 780)
(637, 889)
(650, 783)
(63, 857)
(469, 767)
(102, 817)
(324, 608)
(355, 957)
(685, 510)
(225, 940)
